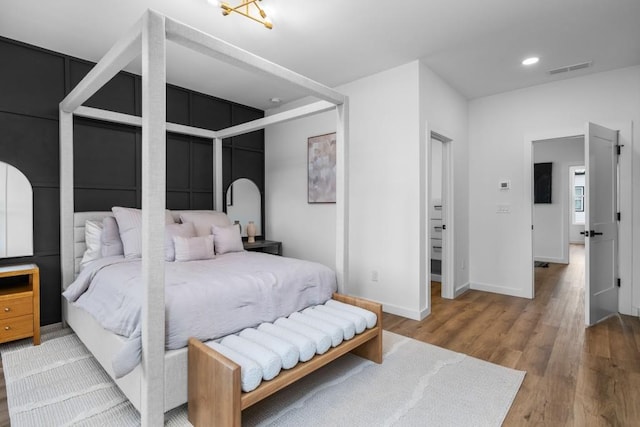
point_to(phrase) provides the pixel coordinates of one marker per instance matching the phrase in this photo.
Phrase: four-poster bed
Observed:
(149, 37)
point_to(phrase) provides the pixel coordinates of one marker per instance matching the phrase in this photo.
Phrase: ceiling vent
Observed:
(568, 68)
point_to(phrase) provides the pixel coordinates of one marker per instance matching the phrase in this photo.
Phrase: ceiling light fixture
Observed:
(245, 10)
(531, 61)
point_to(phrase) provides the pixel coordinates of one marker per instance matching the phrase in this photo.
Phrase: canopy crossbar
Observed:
(148, 38)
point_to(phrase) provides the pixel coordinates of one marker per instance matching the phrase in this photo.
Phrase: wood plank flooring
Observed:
(575, 376)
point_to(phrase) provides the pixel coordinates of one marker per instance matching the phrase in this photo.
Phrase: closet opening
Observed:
(440, 215)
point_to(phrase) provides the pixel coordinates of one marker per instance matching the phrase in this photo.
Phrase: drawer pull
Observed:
(7, 309)
(6, 328)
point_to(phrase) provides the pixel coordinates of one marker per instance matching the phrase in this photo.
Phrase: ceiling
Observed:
(476, 46)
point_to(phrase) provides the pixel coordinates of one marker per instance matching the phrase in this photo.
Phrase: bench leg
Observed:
(213, 388)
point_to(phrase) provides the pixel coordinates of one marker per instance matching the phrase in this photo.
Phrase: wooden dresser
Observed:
(20, 303)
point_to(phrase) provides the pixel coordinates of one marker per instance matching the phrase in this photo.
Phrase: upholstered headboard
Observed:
(80, 218)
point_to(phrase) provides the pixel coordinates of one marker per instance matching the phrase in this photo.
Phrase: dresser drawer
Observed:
(15, 307)
(16, 328)
(436, 249)
(436, 229)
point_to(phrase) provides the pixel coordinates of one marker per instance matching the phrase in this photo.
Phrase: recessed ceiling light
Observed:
(275, 100)
(530, 61)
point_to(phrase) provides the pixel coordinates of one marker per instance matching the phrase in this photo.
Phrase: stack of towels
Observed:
(263, 351)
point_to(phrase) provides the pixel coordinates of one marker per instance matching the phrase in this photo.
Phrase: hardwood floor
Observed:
(575, 376)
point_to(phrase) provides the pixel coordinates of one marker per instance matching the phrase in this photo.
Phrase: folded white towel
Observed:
(305, 346)
(347, 326)
(250, 371)
(269, 361)
(334, 331)
(369, 315)
(288, 352)
(320, 339)
(359, 321)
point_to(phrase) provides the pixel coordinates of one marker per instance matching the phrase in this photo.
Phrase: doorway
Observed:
(600, 198)
(439, 240)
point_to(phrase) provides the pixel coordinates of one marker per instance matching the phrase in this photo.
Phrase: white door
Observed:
(601, 250)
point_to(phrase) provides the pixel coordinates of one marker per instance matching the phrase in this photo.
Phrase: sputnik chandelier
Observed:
(245, 9)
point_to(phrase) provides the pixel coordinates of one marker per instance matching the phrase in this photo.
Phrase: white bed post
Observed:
(66, 202)
(342, 195)
(153, 216)
(217, 175)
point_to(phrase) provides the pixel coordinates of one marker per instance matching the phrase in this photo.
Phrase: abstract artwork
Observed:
(321, 152)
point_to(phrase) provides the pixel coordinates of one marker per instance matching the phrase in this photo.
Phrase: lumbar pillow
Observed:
(193, 248)
(110, 242)
(227, 238)
(92, 233)
(170, 231)
(204, 220)
(130, 227)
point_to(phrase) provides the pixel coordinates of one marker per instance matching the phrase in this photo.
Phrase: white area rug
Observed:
(60, 383)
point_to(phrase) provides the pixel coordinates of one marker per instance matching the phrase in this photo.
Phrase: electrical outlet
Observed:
(374, 275)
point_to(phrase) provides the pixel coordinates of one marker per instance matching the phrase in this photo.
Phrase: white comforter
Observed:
(204, 299)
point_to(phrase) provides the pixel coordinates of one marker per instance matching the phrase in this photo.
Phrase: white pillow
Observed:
(92, 234)
(204, 220)
(110, 242)
(130, 227)
(172, 230)
(193, 248)
(227, 238)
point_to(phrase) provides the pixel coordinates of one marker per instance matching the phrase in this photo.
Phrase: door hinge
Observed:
(618, 216)
(619, 149)
(619, 282)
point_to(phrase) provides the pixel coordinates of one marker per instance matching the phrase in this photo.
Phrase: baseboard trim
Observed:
(503, 290)
(404, 312)
(461, 290)
(551, 260)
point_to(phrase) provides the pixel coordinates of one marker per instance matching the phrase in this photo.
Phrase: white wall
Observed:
(386, 136)
(551, 220)
(499, 128)
(446, 112)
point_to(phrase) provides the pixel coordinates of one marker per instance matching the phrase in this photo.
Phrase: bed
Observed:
(206, 300)
(147, 39)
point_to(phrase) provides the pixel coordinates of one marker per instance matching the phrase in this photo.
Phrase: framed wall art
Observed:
(321, 171)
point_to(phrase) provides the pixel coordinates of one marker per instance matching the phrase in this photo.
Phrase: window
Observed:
(577, 175)
(579, 198)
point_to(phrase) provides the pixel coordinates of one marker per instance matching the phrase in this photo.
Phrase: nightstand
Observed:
(266, 246)
(20, 303)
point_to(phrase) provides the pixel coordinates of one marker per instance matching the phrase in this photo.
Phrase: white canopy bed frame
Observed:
(148, 37)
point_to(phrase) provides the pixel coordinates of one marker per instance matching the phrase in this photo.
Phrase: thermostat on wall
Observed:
(504, 185)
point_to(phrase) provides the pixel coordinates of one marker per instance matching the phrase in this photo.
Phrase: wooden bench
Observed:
(214, 393)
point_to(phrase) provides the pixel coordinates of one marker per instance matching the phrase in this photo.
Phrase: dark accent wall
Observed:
(107, 170)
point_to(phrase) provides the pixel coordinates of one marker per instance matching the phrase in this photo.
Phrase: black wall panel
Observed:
(105, 155)
(119, 94)
(177, 105)
(31, 145)
(31, 81)
(107, 167)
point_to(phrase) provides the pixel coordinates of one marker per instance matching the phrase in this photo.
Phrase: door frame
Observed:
(448, 246)
(529, 140)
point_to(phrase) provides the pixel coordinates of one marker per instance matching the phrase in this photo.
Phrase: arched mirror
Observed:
(244, 204)
(16, 213)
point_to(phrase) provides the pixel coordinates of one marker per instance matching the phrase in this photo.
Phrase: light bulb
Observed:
(530, 61)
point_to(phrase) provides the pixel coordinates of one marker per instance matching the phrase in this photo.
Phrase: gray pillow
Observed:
(193, 248)
(204, 220)
(110, 239)
(130, 226)
(171, 230)
(227, 238)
